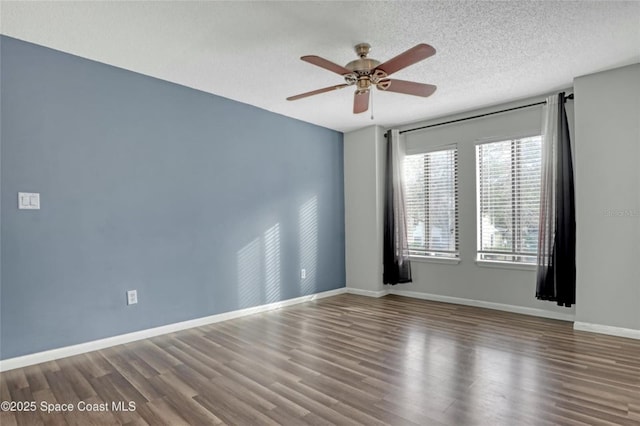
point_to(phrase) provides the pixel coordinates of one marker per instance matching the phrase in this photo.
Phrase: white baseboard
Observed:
(36, 358)
(368, 293)
(483, 304)
(607, 329)
(53, 354)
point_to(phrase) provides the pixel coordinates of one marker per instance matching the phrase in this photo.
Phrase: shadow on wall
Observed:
(259, 269)
(308, 224)
(259, 262)
(272, 264)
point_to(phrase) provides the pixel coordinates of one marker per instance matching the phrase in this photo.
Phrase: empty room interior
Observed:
(320, 213)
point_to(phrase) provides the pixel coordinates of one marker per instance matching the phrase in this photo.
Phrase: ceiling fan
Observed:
(367, 72)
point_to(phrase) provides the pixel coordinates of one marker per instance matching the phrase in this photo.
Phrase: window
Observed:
(431, 202)
(508, 179)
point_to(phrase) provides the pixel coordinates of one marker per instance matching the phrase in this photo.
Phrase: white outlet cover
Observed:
(132, 297)
(28, 201)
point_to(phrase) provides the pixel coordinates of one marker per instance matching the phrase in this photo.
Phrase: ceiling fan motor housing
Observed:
(363, 65)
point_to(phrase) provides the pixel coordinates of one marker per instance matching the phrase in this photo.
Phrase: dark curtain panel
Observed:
(556, 279)
(397, 268)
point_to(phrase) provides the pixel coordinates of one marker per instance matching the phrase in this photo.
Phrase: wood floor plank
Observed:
(109, 393)
(128, 370)
(8, 419)
(348, 360)
(36, 379)
(318, 404)
(283, 405)
(50, 419)
(166, 412)
(29, 416)
(183, 402)
(81, 387)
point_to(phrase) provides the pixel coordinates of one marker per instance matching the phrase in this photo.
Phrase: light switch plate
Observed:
(28, 201)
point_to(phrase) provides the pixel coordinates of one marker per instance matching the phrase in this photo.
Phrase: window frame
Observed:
(440, 256)
(508, 264)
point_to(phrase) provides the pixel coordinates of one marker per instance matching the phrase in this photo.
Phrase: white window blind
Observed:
(508, 179)
(431, 198)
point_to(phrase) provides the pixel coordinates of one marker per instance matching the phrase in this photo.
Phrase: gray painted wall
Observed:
(608, 197)
(468, 279)
(364, 157)
(202, 204)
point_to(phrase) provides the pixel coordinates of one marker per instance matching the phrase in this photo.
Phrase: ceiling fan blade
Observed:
(360, 102)
(410, 88)
(410, 57)
(326, 64)
(316, 92)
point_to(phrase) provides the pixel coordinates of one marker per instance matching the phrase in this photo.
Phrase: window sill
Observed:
(506, 265)
(432, 259)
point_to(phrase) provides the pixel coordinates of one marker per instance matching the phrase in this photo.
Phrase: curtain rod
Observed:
(479, 116)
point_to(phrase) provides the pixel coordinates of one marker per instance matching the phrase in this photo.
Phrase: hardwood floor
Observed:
(348, 360)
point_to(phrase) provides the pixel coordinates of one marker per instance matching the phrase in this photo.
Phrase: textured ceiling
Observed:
(487, 52)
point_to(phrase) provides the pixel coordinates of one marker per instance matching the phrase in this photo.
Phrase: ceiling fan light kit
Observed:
(365, 72)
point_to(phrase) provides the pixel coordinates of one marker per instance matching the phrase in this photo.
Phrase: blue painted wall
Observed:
(202, 204)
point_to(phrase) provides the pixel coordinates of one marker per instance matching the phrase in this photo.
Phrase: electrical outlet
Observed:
(303, 274)
(132, 297)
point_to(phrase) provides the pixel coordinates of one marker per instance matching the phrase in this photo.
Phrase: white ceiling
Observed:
(487, 52)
